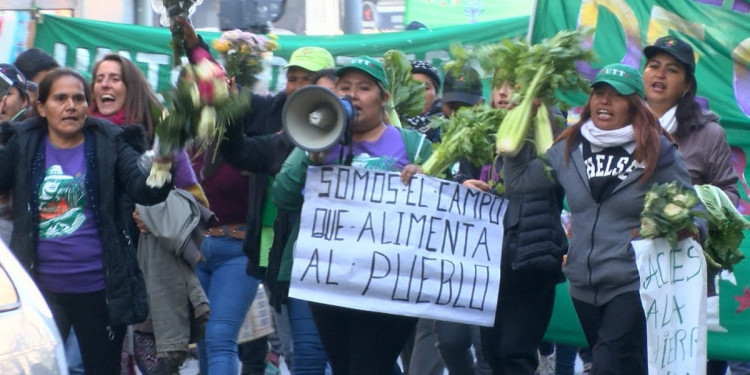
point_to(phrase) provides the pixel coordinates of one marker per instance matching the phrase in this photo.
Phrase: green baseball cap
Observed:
(625, 79)
(312, 59)
(368, 65)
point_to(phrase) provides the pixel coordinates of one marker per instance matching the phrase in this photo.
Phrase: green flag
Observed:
(438, 13)
(719, 32)
(79, 43)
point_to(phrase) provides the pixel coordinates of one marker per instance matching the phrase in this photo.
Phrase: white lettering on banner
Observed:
(428, 249)
(83, 61)
(153, 61)
(675, 313)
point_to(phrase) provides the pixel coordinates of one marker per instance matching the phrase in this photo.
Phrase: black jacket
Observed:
(534, 241)
(112, 171)
(262, 156)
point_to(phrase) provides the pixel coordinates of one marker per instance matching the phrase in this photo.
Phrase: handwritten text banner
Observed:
(428, 249)
(673, 294)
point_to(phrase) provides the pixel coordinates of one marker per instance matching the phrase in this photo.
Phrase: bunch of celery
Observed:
(407, 94)
(468, 134)
(542, 70)
(725, 227)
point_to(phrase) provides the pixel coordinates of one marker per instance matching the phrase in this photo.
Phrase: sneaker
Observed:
(546, 365)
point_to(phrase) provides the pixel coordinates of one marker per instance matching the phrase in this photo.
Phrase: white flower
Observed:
(207, 70)
(207, 124)
(221, 90)
(232, 35)
(195, 95)
(159, 175)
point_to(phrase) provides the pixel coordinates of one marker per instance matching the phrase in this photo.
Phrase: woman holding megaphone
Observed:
(356, 341)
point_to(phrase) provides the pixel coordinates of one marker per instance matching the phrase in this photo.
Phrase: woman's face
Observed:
(430, 92)
(609, 109)
(65, 108)
(665, 79)
(501, 96)
(12, 103)
(366, 99)
(109, 88)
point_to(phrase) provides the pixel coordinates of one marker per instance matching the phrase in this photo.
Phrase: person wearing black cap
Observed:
(605, 205)
(669, 76)
(15, 102)
(530, 267)
(426, 73)
(462, 89)
(420, 356)
(455, 340)
(14, 106)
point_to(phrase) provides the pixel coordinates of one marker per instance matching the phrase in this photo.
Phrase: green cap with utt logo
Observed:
(625, 79)
(368, 65)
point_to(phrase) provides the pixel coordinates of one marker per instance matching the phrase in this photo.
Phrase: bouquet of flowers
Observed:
(168, 10)
(199, 108)
(243, 53)
(667, 210)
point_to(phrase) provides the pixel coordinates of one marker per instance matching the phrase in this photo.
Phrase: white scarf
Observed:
(601, 139)
(668, 120)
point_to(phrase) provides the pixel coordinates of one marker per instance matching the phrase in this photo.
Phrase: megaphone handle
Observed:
(348, 144)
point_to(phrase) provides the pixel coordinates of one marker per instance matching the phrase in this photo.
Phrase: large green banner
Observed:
(79, 43)
(719, 32)
(438, 13)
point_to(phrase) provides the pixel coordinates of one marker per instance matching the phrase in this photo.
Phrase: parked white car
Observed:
(29, 340)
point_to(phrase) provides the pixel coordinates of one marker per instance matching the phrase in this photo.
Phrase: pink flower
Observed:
(206, 90)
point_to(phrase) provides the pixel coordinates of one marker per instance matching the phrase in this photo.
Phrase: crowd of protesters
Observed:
(75, 211)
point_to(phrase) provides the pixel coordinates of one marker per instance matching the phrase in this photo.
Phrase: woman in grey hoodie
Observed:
(606, 163)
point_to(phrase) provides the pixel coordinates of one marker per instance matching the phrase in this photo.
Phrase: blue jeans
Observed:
(309, 355)
(230, 292)
(73, 354)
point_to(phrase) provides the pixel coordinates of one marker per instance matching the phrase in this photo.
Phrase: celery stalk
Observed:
(543, 137)
(512, 131)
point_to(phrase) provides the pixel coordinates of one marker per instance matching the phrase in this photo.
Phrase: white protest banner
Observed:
(673, 294)
(430, 249)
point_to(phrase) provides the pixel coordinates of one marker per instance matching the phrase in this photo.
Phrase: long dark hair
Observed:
(645, 126)
(689, 111)
(45, 86)
(139, 98)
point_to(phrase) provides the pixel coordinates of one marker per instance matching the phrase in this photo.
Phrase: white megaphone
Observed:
(315, 118)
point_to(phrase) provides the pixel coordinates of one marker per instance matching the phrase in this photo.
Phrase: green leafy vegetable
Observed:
(668, 209)
(468, 134)
(725, 227)
(542, 70)
(407, 94)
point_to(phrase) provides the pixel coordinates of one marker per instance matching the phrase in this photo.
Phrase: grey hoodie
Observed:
(600, 263)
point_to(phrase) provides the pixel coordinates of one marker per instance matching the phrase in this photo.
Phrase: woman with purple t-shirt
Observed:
(68, 174)
(356, 341)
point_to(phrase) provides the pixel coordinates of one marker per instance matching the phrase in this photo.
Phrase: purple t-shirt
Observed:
(69, 250)
(184, 175)
(388, 153)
